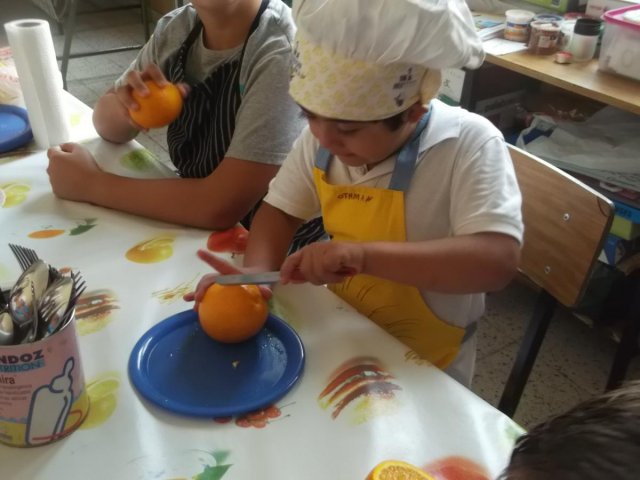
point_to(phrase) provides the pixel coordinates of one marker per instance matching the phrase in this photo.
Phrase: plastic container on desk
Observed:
(544, 37)
(517, 29)
(584, 40)
(620, 50)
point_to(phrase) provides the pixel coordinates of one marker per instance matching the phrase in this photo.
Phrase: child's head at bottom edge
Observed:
(596, 439)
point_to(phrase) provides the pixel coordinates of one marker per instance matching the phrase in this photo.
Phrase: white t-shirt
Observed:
(268, 120)
(464, 183)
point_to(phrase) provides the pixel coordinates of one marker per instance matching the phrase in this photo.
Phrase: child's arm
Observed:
(218, 201)
(223, 268)
(465, 264)
(269, 238)
(111, 119)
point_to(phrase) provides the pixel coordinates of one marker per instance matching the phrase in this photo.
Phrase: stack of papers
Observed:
(489, 25)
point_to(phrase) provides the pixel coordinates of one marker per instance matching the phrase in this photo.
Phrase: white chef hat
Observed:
(366, 60)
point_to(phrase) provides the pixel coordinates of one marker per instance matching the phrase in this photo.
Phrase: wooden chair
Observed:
(566, 223)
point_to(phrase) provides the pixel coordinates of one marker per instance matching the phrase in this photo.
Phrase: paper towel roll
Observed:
(40, 80)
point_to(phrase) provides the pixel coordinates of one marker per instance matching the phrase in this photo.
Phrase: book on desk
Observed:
(489, 25)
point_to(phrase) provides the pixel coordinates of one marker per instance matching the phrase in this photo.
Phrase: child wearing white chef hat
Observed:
(419, 198)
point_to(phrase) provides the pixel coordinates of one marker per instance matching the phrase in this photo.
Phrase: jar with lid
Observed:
(585, 39)
(517, 28)
(544, 37)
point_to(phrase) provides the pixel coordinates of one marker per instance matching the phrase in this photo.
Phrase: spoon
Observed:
(23, 299)
(53, 306)
(6, 328)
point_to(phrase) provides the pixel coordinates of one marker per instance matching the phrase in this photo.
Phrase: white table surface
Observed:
(429, 419)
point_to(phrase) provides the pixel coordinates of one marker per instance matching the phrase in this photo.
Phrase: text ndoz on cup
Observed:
(42, 390)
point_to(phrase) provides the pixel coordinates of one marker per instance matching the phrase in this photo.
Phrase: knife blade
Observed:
(249, 278)
(269, 277)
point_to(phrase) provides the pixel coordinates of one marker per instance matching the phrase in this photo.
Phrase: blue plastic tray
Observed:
(14, 128)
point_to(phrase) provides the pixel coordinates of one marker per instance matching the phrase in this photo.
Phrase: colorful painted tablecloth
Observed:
(410, 410)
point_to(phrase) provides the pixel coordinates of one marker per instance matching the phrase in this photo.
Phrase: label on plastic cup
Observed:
(42, 392)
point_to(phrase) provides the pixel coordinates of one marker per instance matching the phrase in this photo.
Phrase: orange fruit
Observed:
(45, 233)
(232, 313)
(397, 470)
(161, 107)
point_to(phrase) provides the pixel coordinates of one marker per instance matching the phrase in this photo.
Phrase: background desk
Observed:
(581, 78)
(428, 418)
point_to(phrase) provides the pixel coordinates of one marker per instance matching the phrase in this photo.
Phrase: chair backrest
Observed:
(566, 223)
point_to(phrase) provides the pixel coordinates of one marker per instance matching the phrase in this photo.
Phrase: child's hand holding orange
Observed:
(228, 313)
(159, 107)
(151, 100)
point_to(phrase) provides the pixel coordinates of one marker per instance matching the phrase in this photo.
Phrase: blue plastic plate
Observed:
(176, 366)
(14, 128)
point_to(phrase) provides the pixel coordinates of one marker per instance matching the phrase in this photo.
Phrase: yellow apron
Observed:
(367, 214)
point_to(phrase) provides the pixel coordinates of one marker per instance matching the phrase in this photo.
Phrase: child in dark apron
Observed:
(236, 126)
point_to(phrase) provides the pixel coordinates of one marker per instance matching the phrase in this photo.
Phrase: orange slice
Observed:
(397, 470)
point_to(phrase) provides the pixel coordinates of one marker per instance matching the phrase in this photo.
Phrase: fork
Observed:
(79, 286)
(24, 255)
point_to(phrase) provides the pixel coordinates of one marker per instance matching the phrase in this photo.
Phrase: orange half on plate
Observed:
(397, 470)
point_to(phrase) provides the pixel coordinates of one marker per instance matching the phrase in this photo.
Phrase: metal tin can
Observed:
(42, 390)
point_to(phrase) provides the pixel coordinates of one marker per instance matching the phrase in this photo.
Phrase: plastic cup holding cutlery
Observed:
(42, 389)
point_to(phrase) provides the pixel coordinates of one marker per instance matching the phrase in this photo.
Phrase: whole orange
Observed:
(161, 107)
(232, 313)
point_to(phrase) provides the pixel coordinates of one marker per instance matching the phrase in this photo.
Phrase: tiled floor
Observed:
(574, 361)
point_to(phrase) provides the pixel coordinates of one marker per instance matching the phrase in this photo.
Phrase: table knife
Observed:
(249, 278)
(269, 277)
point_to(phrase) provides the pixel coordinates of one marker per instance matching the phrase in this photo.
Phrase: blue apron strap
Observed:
(406, 160)
(405, 163)
(323, 156)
